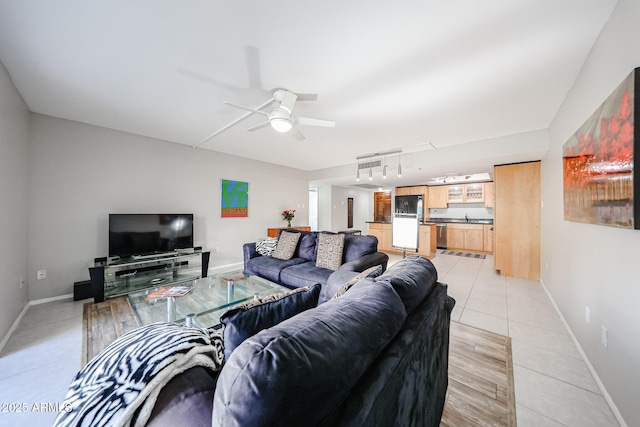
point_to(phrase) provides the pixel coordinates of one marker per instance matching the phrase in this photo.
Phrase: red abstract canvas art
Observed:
(598, 163)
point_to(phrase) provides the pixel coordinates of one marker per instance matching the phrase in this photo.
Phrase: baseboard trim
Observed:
(46, 300)
(223, 268)
(13, 327)
(605, 393)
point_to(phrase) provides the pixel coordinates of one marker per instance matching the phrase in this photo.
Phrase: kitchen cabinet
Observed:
(383, 234)
(416, 190)
(465, 193)
(427, 241)
(474, 193)
(517, 220)
(455, 193)
(488, 238)
(403, 191)
(438, 196)
(488, 195)
(468, 237)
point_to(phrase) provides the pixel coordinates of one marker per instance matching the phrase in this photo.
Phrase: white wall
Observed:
(80, 173)
(362, 208)
(14, 179)
(591, 265)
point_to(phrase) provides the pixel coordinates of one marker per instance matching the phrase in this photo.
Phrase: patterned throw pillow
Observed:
(330, 248)
(286, 246)
(266, 246)
(247, 319)
(374, 271)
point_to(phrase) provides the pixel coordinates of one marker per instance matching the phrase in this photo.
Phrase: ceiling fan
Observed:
(281, 118)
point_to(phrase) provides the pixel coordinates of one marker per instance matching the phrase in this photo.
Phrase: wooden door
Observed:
(382, 206)
(517, 220)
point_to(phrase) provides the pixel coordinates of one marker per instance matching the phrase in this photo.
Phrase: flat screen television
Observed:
(143, 234)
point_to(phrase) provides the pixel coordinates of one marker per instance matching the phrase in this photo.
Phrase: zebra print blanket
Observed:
(119, 387)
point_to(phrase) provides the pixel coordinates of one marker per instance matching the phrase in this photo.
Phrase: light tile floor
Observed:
(553, 384)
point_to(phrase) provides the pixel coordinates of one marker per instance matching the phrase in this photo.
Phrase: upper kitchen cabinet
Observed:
(438, 196)
(403, 191)
(455, 193)
(465, 193)
(474, 193)
(488, 195)
(416, 190)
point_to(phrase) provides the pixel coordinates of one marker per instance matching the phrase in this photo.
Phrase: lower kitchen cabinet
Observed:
(468, 237)
(383, 234)
(427, 241)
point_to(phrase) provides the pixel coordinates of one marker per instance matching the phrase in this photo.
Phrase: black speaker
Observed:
(82, 290)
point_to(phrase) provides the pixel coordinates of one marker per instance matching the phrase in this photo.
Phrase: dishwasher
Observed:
(441, 231)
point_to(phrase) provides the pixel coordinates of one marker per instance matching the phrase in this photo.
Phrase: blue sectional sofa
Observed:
(375, 356)
(359, 253)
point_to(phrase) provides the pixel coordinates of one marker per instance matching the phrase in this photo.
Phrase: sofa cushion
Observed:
(304, 274)
(356, 247)
(330, 247)
(302, 368)
(413, 278)
(307, 247)
(369, 272)
(266, 246)
(186, 400)
(287, 244)
(247, 319)
(270, 267)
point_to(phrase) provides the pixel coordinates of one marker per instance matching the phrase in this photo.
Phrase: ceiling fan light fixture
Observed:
(281, 124)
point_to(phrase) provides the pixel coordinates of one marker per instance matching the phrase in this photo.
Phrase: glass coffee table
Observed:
(205, 303)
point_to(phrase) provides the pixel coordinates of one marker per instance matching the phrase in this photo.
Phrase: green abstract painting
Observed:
(235, 199)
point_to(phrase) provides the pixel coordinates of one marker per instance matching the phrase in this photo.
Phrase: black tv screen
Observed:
(142, 234)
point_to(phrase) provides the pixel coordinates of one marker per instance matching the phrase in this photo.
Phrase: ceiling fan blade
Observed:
(256, 127)
(307, 96)
(253, 110)
(307, 121)
(296, 133)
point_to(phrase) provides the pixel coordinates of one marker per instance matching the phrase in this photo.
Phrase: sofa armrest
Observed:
(249, 251)
(370, 260)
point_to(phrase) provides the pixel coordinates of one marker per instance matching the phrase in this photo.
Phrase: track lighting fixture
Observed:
(373, 162)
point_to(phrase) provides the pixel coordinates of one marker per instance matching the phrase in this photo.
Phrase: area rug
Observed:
(464, 254)
(481, 390)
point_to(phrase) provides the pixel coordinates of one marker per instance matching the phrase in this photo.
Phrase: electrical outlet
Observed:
(42, 274)
(605, 337)
(218, 249)
(587, 314)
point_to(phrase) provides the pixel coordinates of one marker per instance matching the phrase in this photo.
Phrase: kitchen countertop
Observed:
(444, 221)
(459, 221)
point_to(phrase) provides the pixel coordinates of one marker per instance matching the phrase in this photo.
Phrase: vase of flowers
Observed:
(288, 215)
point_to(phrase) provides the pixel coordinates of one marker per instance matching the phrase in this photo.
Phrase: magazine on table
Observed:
(169, 291)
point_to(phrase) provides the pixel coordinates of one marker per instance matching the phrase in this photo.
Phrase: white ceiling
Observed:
(391, 74)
